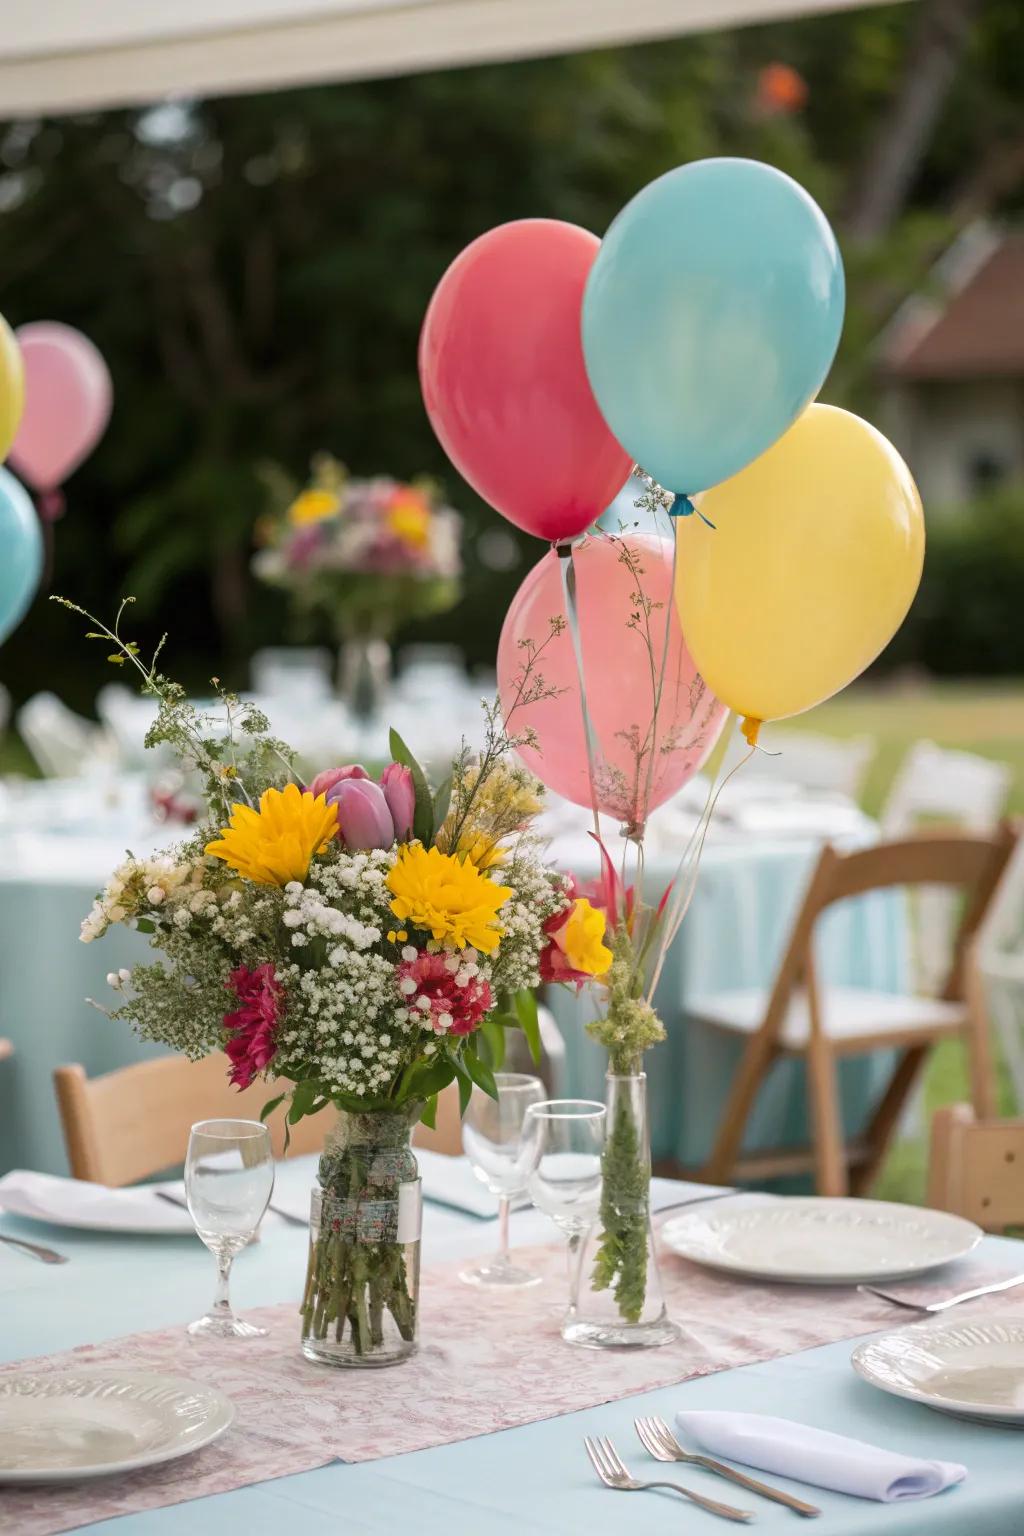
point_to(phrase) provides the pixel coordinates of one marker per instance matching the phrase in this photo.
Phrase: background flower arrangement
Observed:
(369, 554)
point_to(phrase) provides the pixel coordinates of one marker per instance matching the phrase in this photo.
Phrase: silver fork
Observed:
(658, 1439)
(48, 1255)
(610, 1468)
(950, 1301)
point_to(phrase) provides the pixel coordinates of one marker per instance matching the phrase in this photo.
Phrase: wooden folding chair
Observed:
(976, 1168)
(798, 1017)
(132, 1123)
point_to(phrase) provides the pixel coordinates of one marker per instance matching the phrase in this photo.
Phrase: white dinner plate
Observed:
(75, 1203)
(815, 1241)
(72, 1425)
(972, 1369)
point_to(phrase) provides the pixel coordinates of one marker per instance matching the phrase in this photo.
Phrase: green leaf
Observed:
(145, 925)
(526, 1010)
(302, 1101)
(271, 1105)
(423, 817)
(464, 1080)
(481, 1073)
(442, 801)
(429, 1115)
(425, 1078)
(493, 1037)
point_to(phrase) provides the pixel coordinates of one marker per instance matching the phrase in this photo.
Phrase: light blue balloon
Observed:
(711, 317)
(21, 553)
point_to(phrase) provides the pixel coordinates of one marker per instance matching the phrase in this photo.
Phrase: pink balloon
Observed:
(506, 390)
(68, 396)
(641, 760)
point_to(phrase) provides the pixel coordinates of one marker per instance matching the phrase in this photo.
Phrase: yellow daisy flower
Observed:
(275, 844)
(312, 507)
(447, 897)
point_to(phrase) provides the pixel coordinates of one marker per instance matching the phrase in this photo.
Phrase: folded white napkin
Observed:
(816, 1456)
(76, 1203)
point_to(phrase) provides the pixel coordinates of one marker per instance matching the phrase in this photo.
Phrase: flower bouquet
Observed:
(369, 554)
(365, 943)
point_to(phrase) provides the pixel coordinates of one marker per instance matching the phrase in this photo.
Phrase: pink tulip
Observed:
(363, 816)
(400, 794)
(326, 780)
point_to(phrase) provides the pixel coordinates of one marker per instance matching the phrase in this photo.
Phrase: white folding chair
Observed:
(60, 741)
(997, 960)
(936, 784)
(821, 764)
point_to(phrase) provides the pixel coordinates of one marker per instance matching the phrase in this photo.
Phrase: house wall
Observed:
(953, 435)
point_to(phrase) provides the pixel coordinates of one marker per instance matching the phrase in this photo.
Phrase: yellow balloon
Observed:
(12, 387)
(813, 560)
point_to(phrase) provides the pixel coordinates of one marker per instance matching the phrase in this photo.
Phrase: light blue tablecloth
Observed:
(733, 936)
(532, 1479)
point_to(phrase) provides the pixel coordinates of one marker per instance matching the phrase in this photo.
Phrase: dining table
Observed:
(60, 840)
(531, 1478)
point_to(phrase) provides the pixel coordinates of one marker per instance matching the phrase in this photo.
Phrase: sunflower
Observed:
(446, 896)
(275, 844)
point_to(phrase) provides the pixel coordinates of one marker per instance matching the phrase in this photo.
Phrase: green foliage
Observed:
(976, 549)
(621, 1259)
(256, 271)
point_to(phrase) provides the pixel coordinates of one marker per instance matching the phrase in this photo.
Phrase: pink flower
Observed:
(330, 776)
(364, 820)
(445, 991)
(400, 794)
(252, 1026)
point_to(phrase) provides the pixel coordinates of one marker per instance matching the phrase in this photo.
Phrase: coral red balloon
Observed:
(504, 384)
(641, 760)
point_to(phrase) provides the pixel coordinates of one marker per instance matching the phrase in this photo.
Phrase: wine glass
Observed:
(564, 1141)
(492, 1137)
(229, 1177)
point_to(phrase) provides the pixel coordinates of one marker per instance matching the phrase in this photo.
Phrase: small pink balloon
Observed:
(643, 755)
(68, 395)
(504, 383)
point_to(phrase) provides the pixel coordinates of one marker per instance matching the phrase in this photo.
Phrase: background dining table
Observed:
(531, 1479)
(60, 840)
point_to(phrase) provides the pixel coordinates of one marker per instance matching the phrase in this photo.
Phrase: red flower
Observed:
(445, 992)
(253, 1024)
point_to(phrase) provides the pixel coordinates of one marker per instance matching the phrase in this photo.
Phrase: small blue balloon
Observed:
(21, 553)
(711, 317)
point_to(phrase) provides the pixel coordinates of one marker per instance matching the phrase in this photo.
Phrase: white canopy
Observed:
(73, 55)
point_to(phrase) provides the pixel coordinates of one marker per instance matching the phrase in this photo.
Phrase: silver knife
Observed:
(951, 1301)
(182, 1203)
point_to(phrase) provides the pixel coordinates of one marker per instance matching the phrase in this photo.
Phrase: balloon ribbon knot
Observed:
(682, 506)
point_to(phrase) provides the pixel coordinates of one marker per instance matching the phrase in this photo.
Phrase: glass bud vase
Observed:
(616, 1297)
(364, 676)
(360, 1305)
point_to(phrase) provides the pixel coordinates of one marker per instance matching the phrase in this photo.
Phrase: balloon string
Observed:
(680, 907)
(567, 569)
(682, 506)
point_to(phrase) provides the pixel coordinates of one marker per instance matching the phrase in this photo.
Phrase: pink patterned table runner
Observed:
(294, 1416)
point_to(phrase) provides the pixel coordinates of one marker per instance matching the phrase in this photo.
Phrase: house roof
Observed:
(974, 326)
